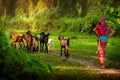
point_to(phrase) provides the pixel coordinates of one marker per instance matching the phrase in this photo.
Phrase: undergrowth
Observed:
(15, 65)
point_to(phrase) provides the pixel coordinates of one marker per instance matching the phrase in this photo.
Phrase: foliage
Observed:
(69, 18)
(113, 15)
(15, 65)
(76, 73)
(64, 21)
(68, 15)
(82, 48)
(70, 8)
(114, 50)
(77, 25)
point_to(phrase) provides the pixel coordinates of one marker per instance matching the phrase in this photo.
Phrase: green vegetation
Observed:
(15, 65)
(23, 65)
(71, 18)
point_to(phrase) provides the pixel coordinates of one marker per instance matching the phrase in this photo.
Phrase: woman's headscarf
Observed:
(104, 25)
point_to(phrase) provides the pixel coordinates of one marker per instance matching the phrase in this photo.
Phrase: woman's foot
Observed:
(102, 66)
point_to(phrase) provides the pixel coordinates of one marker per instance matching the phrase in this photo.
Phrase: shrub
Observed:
(14, 65)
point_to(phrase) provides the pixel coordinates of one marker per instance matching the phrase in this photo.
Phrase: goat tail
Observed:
(68, 40)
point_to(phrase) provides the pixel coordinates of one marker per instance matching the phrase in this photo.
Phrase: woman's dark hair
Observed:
(99, 23)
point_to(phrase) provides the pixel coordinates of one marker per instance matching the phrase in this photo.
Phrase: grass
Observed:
(75, 73)
(85, 48)
(82, 47)
(52, 60)
(66, 70)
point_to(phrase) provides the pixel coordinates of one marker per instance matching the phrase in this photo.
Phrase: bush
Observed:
(77, 25)
(14, 65)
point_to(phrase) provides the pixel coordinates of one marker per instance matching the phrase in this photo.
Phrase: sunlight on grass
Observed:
(112, 71)
(72, 67)
(75, 73)
(82, 47)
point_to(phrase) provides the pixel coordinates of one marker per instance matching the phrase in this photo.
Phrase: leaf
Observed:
(49, 68)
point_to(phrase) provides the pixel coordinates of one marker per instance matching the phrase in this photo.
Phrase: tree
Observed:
(50, 3)
(8, 7)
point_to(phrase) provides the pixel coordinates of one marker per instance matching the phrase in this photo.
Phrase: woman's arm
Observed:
(96, 33)
(112, 33)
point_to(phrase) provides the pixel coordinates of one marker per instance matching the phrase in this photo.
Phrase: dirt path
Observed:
(81, 61)
(107, 73)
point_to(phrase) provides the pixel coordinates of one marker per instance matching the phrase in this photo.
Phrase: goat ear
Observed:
(26, 32)
(42, 33)
(48, 34)
(59, 37)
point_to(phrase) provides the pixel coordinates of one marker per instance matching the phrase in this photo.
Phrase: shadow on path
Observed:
(107, 73)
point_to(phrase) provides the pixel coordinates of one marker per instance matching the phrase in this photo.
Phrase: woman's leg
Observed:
(101, 53)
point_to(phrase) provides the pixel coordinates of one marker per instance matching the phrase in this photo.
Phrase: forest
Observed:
(68, 15)
(72, 18)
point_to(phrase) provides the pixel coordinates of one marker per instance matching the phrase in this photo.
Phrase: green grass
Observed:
(52, 60)
(66, 69)
(113, 49)
(82, 47)
(76, 73)
(85, 48)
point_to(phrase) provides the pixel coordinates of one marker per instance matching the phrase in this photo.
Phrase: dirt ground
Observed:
(108, 74)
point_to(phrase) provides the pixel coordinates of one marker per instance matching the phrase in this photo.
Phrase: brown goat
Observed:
(17, 38)
(28, 39)
(64, 43)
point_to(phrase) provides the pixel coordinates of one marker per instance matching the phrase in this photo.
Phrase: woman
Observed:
(103, 32)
